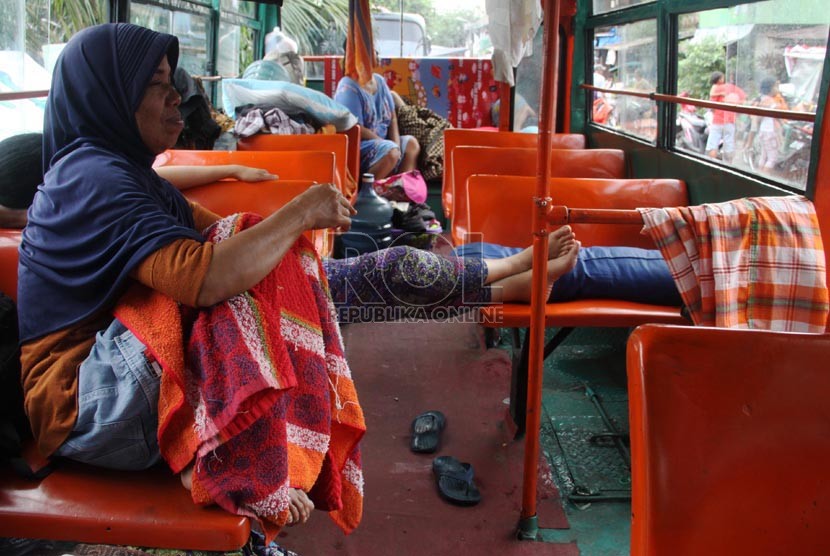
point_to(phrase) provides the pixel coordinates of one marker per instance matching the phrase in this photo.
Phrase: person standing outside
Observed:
(723, 121)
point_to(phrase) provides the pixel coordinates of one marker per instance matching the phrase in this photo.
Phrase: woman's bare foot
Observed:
(299, 506)
(187, 477)
(559, 241)
(518, 287)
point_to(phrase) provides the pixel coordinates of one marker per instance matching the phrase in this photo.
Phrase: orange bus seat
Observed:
(338, 143)
(263, 198)
(92, 505)
(316, 166)
(9, 242)
(473, 137)
(501, 212)
(518, 161)
(729, 447)
(353, 134)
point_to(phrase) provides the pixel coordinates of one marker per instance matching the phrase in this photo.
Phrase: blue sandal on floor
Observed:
(455, 481)
(426, 432)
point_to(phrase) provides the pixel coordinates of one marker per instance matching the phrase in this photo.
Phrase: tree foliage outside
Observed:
(319, 27)
(46, 22)
(695, 66)
(452, 28)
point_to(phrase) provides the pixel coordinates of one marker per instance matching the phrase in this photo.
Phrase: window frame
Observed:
(667, 13)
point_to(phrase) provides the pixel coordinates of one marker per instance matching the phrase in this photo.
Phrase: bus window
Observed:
(768, 54)
(625, 57)
(241, 7)
(237, 35)
(445, 29)
(192, 30)
(32, 34)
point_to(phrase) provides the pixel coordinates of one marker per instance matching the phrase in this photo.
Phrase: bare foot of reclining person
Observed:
(558, 243)
(517, 288)
(299, 504)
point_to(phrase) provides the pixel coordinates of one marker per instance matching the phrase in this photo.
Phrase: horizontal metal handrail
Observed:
(738, 108)
(22, 95)
(560, 214)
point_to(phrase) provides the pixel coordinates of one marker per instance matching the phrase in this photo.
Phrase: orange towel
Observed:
(360, 49)
(257, 391)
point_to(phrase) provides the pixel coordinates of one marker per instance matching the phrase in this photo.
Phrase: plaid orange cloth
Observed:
(749, 263)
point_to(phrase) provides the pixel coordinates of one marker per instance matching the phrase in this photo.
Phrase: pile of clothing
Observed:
(263, 118)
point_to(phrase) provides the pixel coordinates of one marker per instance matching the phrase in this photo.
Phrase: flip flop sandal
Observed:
(455, 481)
(426, 432)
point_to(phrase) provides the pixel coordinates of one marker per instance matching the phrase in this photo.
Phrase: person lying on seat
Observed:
(619, 272)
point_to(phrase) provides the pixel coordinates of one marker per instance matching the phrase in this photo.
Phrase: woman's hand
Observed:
(323, 206)
(246, 173)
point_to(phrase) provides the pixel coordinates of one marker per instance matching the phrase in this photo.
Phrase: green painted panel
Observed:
(803, 11)
(316, 84)
(707, 183)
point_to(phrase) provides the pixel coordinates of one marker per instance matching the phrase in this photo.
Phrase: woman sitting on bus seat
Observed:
(103, 219)
(383, 150)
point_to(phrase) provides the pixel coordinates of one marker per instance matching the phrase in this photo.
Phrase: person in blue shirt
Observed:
(383, 150)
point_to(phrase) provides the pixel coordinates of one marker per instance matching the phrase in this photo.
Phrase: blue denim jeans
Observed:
(118, 392)
(626, 273)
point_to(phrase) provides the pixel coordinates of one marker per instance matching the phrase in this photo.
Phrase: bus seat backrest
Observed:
(728, 441)
(457, 137)
(263, 198)
(9, 241)
(501, 209)
(515, 161)
(353, 153)
(338, 143)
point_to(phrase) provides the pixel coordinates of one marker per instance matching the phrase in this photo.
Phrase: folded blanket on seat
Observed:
(258, 391)
(748, 263)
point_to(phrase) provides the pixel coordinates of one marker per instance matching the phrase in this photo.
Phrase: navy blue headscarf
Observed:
(101, 209)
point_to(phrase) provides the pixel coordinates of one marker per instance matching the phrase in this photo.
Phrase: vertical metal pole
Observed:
(400, 29)
(20, 32)
(528, 524)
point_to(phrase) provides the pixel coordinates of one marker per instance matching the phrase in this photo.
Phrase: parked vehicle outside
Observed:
(387, 29)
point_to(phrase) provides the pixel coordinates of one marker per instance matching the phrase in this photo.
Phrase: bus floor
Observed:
(403, 369)
(584, 436)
